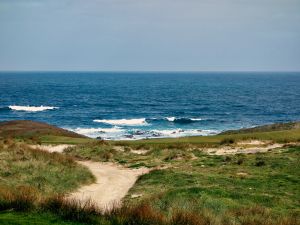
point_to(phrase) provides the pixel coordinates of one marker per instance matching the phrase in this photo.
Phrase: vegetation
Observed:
(50, 139)
(222, 183)
(283, 136)
(266, 128)
(57, 210)
(186, 185)
(37, 132)
(47, 173)
(29, 218)
(222, 189)
(162, 152)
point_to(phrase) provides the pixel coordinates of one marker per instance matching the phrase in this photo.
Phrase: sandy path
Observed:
(112, 181)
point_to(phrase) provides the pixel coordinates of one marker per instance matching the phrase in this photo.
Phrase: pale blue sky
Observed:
(150, 35)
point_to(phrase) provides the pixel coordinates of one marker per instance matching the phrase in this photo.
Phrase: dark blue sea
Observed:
(150, 105)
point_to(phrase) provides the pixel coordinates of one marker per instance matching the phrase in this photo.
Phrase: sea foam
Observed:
(182, 133)
(31, 108)
(124, 122)
(105, 133)
(182, 119)
(118, 133)
(171, 119)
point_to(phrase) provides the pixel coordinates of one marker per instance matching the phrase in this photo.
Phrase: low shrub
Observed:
(226, 141)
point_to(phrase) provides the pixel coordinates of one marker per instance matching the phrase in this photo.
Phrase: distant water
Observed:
(150, 105)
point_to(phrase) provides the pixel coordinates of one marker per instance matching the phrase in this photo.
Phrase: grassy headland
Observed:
(186, 186)
(38, 132)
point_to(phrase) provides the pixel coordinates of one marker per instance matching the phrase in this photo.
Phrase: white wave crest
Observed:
(118, 133)
(171, 119)
(196, 119)
(183, 133)
(105, 133)
(124, 122)
(31, 108)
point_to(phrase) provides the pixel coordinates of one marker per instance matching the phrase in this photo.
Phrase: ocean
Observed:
(133, 105)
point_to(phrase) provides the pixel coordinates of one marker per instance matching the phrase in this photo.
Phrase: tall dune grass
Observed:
(23, 199)
(48, 173)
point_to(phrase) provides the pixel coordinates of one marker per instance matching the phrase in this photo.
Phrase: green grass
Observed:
(160, 151)
(51, 139)
(32, 218)
(66, 212)
(199, 190)
(276, 136)
(266, 128)
(197, 182)
(195, 188)
(48, 173)
(38, 132)
(27, 129)
(222, 183)
(201, 141)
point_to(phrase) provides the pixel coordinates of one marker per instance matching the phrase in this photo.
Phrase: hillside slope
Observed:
(30, 129)
(266, 128)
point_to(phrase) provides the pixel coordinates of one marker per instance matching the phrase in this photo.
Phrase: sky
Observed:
(150, 35)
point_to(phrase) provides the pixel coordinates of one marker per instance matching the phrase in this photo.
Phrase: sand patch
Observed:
(243, 148)
(140, 151)
(51, 148)
(113, 183)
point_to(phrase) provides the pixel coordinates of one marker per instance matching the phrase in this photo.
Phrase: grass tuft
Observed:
(21, 198)
(71, 209)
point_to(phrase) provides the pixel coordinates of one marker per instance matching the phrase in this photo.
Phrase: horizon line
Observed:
(150, 71)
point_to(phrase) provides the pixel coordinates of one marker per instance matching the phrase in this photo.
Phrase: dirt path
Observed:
(112, 181)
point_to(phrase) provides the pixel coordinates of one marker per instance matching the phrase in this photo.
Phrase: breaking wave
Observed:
(117, 133)
(113, 133)
(182, 133)
(31, 108)
(182, 119)
(124, 122)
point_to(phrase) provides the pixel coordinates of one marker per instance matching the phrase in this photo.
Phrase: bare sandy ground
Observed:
(51, 148)
(112, 181)
(246, 147)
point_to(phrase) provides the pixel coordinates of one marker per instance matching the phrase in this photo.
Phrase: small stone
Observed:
(136, 195)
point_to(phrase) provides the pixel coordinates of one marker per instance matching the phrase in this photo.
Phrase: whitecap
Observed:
(171, 119)
(196, 119)
(117, 133)
(104, 133)
(31, 108)
(124, 122)
(184, 133)
(182, 119)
